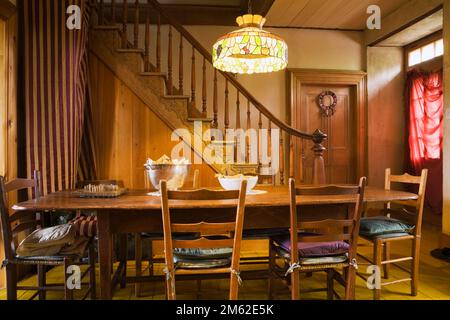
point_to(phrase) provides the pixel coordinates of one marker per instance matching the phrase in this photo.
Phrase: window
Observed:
(426, 52)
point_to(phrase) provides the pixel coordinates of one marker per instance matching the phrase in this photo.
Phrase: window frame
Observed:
(429, 64)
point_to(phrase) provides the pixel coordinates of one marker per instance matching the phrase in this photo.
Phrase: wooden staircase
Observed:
(116, 40)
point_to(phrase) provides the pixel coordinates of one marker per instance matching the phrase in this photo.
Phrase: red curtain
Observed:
(425, 126)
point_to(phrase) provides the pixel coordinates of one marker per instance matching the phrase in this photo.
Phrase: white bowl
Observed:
(235, 183)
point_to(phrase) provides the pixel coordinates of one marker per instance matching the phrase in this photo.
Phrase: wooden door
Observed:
(340, 154)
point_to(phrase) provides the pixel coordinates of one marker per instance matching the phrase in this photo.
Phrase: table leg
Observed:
(123, 259)
(104, 253)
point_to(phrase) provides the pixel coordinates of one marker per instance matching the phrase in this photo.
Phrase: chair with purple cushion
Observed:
(325, 245)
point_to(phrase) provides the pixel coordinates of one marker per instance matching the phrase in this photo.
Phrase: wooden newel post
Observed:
(319, 164)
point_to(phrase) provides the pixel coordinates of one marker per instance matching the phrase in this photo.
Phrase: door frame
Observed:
(355, 79)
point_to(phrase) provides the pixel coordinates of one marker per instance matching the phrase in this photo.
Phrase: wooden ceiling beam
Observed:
(197, 14)
(408, 14)
(258, 7)
(185, 14)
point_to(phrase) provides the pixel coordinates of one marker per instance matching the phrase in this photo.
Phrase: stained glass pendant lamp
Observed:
(250, 49)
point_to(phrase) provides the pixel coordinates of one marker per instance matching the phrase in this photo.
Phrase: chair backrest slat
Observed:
(6, 218)
(203, 243)
(20, 184)
(23, 226)
(204, 227)
(19, 215)
(332, 190)
(325, 238)
(328, 223)
(331, 229)
(405, 178)
(203, 194)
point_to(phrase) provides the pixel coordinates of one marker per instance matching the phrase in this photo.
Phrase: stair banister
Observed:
(317, 137)
(199, 47)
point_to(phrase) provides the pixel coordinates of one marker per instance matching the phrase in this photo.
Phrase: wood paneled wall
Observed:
(127, 132)
(8, 108)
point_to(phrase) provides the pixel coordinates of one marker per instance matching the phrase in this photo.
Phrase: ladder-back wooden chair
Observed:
(212, 236)
(321, 245)
(150, 237)
(381, 231)
(16, 222)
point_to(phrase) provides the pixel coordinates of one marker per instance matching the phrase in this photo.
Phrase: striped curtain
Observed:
(87, 164)
(55, 84)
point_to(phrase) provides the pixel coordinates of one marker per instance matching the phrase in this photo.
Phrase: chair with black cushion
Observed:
(320, 245)
(216, 250)
(402, 221)
(16, 222)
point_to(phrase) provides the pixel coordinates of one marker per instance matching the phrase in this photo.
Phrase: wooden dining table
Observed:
(138, 211)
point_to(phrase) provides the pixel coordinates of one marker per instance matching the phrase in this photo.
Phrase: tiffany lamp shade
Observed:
(250, 49)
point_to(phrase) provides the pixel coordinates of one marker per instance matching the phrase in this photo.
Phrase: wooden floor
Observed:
(434, 281)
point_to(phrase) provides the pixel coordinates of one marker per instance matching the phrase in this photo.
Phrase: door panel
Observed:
(339, 156)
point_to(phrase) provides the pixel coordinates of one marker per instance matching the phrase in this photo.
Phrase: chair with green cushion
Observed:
(151, 237)
(217, 249)
(380, 231)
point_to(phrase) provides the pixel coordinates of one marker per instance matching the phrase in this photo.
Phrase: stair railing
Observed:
(152, 11)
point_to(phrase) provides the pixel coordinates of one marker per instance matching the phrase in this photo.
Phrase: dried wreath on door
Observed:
(327, 101)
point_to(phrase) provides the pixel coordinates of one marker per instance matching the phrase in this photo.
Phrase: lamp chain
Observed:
(250, 6)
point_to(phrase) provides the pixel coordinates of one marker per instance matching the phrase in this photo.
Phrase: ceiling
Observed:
(418, 30)
(202, 2)
(199, 12)
(328, 14)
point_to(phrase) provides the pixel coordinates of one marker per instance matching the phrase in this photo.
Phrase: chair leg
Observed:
(92, 283)
(415, 266)
(387, 256)
(330, 284)
(350, 278)
(113, 253)
(150, 259)
(199, 288)
(377, 251)
(295, 285)
(270, 276)
(68, 293)
(170, 289)
(41, 281)
(11, 281)
(234, 287)
(138, 260)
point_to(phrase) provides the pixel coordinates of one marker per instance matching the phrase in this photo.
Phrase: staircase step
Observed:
(147, 74)
(176, 96)
(108, 27)
(130, 50)
(202, 119)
